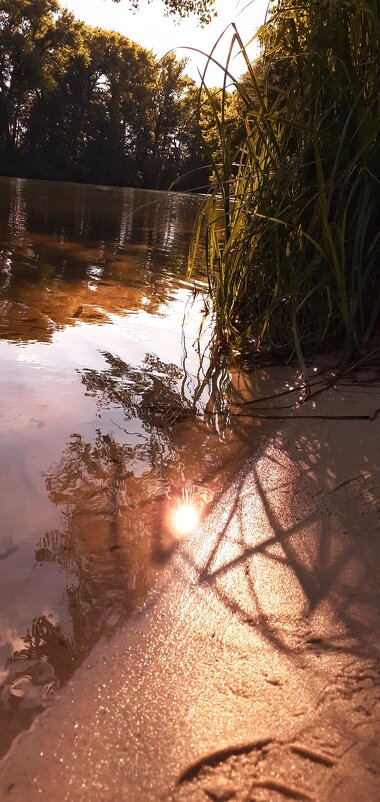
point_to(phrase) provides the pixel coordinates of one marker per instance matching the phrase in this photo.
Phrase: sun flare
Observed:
(185, 519)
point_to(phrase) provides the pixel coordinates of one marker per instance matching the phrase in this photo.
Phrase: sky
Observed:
(151, 29)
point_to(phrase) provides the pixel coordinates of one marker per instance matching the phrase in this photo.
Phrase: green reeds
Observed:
(293, 221)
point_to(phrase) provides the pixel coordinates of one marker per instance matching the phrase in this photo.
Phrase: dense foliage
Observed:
(293, 242)
(294, 221)
(87, 104)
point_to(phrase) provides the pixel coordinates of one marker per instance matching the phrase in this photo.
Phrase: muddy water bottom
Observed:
(115, 435)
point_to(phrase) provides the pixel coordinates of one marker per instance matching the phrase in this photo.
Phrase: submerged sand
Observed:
(253, 672)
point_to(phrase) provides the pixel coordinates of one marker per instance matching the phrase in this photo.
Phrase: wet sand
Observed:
(253, 671)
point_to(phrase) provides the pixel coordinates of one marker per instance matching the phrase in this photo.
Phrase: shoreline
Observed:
(256, 666)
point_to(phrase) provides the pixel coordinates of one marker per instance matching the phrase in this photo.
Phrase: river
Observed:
(113, 436)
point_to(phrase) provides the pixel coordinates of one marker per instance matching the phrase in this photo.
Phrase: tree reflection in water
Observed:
(34, 673)
(175, 450)
(77, 262)
(116, 494)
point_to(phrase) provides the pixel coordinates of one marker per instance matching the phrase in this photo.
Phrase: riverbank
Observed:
(253, 673)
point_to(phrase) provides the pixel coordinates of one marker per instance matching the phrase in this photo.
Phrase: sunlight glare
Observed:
(185, 519)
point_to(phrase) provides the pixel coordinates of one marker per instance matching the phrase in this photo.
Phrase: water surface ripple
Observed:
(100, 379)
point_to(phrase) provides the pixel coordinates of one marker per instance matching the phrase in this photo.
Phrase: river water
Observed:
(110, 423)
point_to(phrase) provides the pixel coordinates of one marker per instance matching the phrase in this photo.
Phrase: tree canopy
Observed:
(82, 103)
(203, 9)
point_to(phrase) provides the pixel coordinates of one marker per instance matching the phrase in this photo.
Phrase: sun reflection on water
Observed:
(185, 518)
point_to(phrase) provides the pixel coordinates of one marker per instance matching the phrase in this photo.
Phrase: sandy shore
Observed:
(253, 673)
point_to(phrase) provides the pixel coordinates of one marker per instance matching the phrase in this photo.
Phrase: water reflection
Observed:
(111, 425)
(145, 465)
(68, 249)
(105, 557)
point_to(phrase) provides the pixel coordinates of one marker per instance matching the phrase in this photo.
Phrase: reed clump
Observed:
(293, 219)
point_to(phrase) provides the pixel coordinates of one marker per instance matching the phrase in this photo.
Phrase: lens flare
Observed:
(185, 519)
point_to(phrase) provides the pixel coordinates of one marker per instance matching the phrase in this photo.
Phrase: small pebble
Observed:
(220, 789)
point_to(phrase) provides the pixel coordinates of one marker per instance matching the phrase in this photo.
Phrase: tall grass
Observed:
(293, 221)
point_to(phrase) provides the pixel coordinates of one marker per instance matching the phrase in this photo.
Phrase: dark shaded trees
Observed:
(86, 104)
(27, 49)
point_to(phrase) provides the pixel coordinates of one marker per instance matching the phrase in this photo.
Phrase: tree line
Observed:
(85, 104)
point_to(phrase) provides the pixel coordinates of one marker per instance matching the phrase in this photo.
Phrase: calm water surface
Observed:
(100, 376)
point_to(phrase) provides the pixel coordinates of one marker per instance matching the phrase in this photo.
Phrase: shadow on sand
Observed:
(293, 549)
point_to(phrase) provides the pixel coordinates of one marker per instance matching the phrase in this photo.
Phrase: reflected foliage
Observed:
(32, 676)
(139, 391)
(156, 398)
(153, 395)
(70, 253)
(142, 464)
